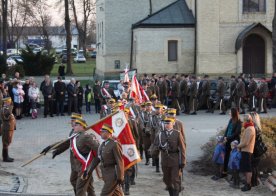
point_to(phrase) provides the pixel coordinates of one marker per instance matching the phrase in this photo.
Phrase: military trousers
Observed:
(171, 177)
(81, 187)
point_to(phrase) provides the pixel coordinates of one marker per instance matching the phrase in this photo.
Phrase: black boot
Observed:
(175, 193)
(170, 191)
(147, 158)
(141, 152)
(157, 165)
(126, 185)
(5, 154)
(246, 187)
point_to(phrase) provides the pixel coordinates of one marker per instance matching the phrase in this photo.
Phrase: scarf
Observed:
(248, 124)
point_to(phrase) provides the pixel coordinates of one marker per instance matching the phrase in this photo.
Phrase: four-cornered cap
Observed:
(7, 100)
(158, 105)
(111, 100)
(108, 128)
(143, 104)
(75, 116)
(148, 103)
(168, 120)
(126, 110)
(81, 122)
(153, 96)
(171, 111)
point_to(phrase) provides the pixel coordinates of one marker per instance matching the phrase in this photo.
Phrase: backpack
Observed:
(260, 148)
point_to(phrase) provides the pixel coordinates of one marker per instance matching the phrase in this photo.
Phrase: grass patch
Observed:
(79, 69)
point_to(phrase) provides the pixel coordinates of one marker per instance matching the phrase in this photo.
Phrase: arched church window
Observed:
(254, 6)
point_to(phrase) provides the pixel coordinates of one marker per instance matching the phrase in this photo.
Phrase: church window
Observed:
(254, 6)
(172, 50)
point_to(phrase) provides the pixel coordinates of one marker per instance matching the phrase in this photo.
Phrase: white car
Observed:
(12, 60)
(13, 51)
(80, 58)
(36, 50)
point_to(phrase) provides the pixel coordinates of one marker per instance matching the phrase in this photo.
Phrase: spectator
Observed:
(4, 77)
(232, 132)
(48, 94)
(33, 94)
(60, 89)
(46, 78)
(26, 103)
(97, 96)
(80, 96)
(72, 96)
(18, 94)
(61, 71)
(88, 98)
(17, 75)
(273, 88)
(218, 157)
(234, 163)
(247, 146)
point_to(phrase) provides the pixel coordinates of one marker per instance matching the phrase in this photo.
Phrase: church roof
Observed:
(245, 32)
(176, 14)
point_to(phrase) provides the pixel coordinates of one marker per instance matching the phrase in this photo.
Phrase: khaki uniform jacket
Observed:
(178, 125)
(252, 88)
(240, 89)
(176, 149)
(134, 130)
(220, 89)
(263, 90)
(175, 89)
(155, 90)
(183, 88)
(193, 90)
(233, 86)
(163, 89)
(206, 88)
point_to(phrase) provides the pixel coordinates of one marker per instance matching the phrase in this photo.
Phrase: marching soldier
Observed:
(107, 109)
(252, 89)
(205, 95)
(240, 93)
(173, 158)
(153, 99)
(220, 97)
(7, 127)
(157, 127)
(107, 92)
(175, 94)
(141, 127)
(130, 173)
(193, 96)
(233, 84)
(263, 93)
(147, 130)
(112, 166)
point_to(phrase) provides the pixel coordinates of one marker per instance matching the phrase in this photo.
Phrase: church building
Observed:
(184, 36)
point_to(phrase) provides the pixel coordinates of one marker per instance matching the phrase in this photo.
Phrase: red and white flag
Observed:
(137, 92)
(123, 134)
(126, 78)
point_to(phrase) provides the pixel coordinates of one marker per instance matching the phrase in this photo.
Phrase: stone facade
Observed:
(219, 23)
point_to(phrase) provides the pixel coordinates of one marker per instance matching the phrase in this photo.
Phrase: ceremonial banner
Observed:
(123, 134)
(137, 92)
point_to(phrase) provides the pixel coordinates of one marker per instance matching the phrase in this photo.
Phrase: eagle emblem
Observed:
(130, 152)
(119, 122)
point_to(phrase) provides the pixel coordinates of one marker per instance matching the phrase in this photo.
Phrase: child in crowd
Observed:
(218, 157)
(88, 98)
(234, 163)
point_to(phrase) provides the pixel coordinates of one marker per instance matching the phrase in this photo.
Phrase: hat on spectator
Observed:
(107, 128)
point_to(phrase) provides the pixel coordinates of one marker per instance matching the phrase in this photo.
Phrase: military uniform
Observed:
(240, 94)
(220, 98)
(175, 95)
(7, 130)
(193, 96)
(205, 95)
(262, 97)
(140, 126)
(184, 94)
(233, 85)
(146, 133)
(173, 158)
(112, 167)
(252, 89)
(163, 90)
(107, 109)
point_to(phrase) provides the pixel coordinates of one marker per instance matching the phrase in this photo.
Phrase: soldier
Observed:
(173, 158)
(252, 89)
(147, 130)
(262, 97)
(205, 95)
(107, 109)
(130, 173)
(107, 92)
(112, 165)
(184, 93)
(141, 127)
(147, 90)
(7, 127)
(175, 95)
(1, 98)
(193, 96)
(240, 94)
(163, 89)
(153, 99)
(154, 88)
(220, 97)
(233, 84)
(157, 127)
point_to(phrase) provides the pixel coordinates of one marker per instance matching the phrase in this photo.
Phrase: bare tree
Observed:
(4, 10)
(19, 12)
(69, 70)
(274, 40)
(88, 10)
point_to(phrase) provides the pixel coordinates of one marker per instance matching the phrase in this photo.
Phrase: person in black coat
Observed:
(97, 96)
(60, 89)
(72, 96)
(48, 94)
(26, 102)
(61, 71)
(80, 96)
(232, 132)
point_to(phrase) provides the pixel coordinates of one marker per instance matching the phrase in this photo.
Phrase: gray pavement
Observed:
(51, 177)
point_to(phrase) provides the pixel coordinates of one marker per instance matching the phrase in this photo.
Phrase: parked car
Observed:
(13, 51)
(36, 50)
(64, 52)
(59, 49)
(32, 45)
(80, 58)
(64, 59)
(13, 60)
(113, 84)
(93, 54)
